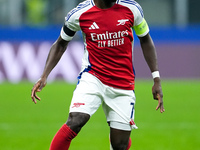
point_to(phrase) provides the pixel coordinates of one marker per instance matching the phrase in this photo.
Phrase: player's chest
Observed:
(112, 21)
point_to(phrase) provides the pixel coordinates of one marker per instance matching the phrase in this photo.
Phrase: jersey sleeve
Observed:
(142, 29)
(70, 26)
(140, 25)
(67, 34)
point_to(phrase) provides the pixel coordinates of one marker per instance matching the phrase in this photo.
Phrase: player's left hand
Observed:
(37, 88)
(157, 94)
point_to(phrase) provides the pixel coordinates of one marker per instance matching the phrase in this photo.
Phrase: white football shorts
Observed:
(118, 104)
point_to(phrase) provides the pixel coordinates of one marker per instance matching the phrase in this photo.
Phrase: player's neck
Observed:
(104, 4)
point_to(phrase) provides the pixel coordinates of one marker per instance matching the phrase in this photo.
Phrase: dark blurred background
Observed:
(29, 27)
(47, 12)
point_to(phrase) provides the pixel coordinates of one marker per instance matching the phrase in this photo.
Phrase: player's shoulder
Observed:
(132, 5)
(129, 3)
(81, 7)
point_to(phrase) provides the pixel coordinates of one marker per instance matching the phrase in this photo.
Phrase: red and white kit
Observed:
(107, 74)
(108, 39)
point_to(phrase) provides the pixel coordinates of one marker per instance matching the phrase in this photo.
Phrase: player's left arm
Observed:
(142, 31)
(149, 52)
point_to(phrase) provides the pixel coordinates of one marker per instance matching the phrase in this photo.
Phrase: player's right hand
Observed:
(37, 88)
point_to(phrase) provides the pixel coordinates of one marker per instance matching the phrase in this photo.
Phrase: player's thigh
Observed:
(119, 108)
(87, 96)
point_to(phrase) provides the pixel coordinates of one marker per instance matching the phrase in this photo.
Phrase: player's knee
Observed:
(77, 120)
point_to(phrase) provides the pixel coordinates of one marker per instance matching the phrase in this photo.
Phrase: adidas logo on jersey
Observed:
(94, 26)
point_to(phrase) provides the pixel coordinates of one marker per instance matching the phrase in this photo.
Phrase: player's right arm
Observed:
(56, 52)
(58, 48)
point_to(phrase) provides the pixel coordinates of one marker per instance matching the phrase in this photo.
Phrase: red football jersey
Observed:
(108, 39)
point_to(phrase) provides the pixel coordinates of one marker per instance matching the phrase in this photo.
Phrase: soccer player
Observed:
(107, 74)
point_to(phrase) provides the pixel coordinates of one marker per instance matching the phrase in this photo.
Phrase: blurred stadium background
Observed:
(27, 30)
(29, 27)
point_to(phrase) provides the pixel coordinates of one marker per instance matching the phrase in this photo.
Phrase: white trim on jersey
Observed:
(132, 2)
(72, 19)
(135, 8)
(64, 36)
(85, 58)
(79, 7)
(92, 2)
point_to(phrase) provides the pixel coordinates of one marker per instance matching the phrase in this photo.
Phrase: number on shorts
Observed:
(132, 109)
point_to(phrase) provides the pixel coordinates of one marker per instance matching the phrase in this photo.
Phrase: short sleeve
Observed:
(70, 26)
(67, 34)
(140, 25)
(142, 29)
(72, 23)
